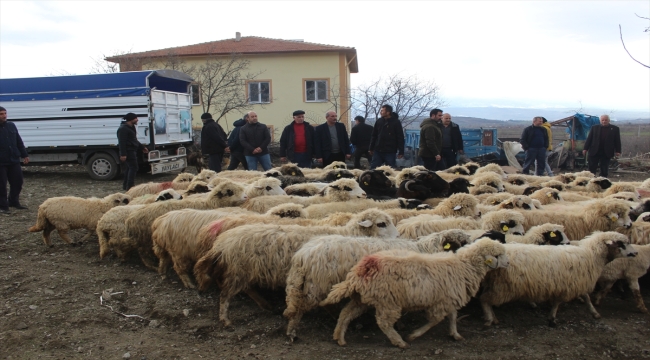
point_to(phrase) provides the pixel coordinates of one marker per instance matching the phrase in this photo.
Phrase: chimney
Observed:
(237, 36)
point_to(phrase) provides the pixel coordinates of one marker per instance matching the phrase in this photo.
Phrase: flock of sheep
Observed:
(392, 240)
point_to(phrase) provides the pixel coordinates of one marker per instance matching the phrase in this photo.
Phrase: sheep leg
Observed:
(605, 287)
(86, 237)
(47, 231)
(294, 320)
(386, 319)
(552, 321)
(350, 312)
(147, 259)
(636, 291)
(224, 303)
(453, 330)
(432, 321)
(164, 261)
(63, 233)
(183, 270)
(590, 306)
(259, 300)
(488, 314)
(102, 239)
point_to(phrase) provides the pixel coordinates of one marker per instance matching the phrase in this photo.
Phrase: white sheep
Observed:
(169, 194)
(491, 168)
(395, 281)
(555, 274)
(423, 225)
(319, 211)
(305, 189)
(69, 212)
(260, 255)
(638, 232)
(546, 196)
(111, 230)
(325, 260)
(490, 179)
(546, 234)
(180, 182)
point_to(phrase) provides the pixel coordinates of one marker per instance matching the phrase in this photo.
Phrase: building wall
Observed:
(286, 73)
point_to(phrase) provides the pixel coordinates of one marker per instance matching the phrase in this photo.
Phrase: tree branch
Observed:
(620, 31)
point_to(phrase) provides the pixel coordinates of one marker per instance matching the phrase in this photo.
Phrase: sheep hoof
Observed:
(487, 323)
(342, 342)
(457, 337)
(402, 345)
(596, 316)
(552, 323)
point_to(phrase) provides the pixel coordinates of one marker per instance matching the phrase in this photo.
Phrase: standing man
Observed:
(236, 149)
(387, 139)
(534, 140)
(11, 150)
(127, 141)
(213, 142)
(603, 143)
(549, 149)
(360, 138)
(431, 141)
(255, 138)
(297, 141)
(452, 142)
(331, 141)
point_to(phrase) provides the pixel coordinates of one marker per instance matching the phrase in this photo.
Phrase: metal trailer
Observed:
(476, 142)
(75, 118)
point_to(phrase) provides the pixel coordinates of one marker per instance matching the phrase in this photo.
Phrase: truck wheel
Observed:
(102, 166)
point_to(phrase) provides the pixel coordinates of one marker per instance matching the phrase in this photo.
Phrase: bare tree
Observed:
(410, 97)
(341, 103)
(620, 31)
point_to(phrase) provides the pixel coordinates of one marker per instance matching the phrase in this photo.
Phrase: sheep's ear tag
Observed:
(457, 207)
(293, 173)
(505, 228)
(553, 234)
(447, 246)
(457, 173)
(488, 262)
(614, 218)
(339, 175)
(549, 194)
(365, 183)
(365, 223)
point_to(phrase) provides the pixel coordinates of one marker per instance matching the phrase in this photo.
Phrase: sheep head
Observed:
(169, 194)
(288, 210)
(372, 222)
(266, 186)
(183, 178)
(227, 194)
(291, 169)
(343, 190)
(487, 252)
(117, 199)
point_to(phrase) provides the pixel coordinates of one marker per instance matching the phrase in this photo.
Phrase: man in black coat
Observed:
(360, 138)
(387, 139)
(297, 141)
(11, 150)
(128, 144)
(213, 142)
(603, 143)
(236, 149)
(255, 138)
(534, 140)
(331, 141)
(452, 142)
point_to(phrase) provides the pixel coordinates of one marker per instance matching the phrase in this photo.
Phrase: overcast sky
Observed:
(522, 54)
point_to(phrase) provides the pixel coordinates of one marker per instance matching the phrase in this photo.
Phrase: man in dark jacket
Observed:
(387, 139)
(331, 141)
(213, 142)
(255, 138)
(360, 138)
(430, 150)
(603, 143)
(452, 142)
(297, 141)
(128, 144)
(236, 149)
(534, 140)
(11, 150)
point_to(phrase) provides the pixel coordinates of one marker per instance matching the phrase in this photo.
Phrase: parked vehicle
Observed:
(477, 143)
(75, 118)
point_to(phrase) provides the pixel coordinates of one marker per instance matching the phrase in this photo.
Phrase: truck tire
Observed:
(102, 166)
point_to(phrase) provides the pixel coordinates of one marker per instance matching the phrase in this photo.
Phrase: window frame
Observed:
(249, 82)
(315, 80)
(198, 94)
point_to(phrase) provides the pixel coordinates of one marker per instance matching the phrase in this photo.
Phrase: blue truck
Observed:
(477, 143)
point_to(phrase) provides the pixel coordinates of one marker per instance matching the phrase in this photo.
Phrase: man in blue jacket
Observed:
(534, 140)
(331, 141)
(11, 150)
(236, 149)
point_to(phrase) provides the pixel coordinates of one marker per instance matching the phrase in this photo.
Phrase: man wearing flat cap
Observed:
(213, 142)
(297, 141)
(128, 144)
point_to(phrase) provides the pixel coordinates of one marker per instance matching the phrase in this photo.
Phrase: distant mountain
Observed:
(552, 114)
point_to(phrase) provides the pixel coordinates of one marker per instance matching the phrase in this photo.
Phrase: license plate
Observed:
(167, 166)
(164, 153)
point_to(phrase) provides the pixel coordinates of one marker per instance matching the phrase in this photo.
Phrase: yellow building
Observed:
(293, 75)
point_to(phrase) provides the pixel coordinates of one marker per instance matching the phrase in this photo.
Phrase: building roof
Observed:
(247, 45)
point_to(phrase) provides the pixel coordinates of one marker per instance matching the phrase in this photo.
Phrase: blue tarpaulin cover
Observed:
(583, 125)
(133, 83)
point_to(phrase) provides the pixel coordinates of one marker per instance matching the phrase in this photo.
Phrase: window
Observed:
(259, 92)
(315, 90)
(196, 95)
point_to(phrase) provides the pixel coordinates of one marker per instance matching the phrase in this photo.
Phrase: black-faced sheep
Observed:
(395, 281)
(547, 234)
(376, 184)
(67, 213)
(456, 205)
(260, 255)
(324, 261)
(555, 274)
(546, 196)
(169, 194)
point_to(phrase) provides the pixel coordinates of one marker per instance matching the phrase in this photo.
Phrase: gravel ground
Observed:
(51, 308)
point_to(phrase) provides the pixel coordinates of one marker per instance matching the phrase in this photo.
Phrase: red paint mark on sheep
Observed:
(166, 185)
(368, 267)
(215, 227)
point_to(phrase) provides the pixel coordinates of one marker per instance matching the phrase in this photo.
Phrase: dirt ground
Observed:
(50, 308)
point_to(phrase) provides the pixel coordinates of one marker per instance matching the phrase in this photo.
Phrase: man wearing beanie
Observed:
(128, 144)
(213, 142)
(11, 150)
(297, 141)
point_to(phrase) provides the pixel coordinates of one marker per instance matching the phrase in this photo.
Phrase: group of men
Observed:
(602, 144)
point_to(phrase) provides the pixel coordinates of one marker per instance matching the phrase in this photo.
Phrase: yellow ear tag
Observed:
(338, 175)
(365, 183)
(447, 246)
(505, 228)
(549, 194)
(553, 234)
(488, 262)
(293, 173)
(457, 173)
(614, 218)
